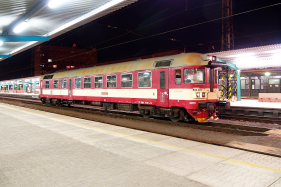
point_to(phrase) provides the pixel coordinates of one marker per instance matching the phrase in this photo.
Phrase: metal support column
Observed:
(238, 83)
(227, 41)
(13, 87)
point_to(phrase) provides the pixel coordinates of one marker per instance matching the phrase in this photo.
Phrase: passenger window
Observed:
(178, 76)
(144, 79)
(127, 80)
(65, 83)
(111, 81)
(55, 83)
(162, 80)
(87, 82)
(47, 84)
(60, 84)
(78, 83)
(194, 75)
(98, 82)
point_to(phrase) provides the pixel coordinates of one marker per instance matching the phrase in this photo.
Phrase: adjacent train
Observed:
(182, 87)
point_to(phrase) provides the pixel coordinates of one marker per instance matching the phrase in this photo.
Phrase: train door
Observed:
(41, 87)
(163, 87)
(70, 89)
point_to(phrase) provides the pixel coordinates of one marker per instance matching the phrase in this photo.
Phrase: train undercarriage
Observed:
(205, 111)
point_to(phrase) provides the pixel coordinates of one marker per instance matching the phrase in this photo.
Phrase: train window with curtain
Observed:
(56, 83)
(47, 84)
(178, 76)
(78, 83)
(65, 83)
(61, 84)
(111, 81)
(144, 79)
(162, 80)
(87, 82)
(194, 75)
(98, 82)
(127, 80)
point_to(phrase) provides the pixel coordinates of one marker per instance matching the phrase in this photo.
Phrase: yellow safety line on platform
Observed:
(159, 143)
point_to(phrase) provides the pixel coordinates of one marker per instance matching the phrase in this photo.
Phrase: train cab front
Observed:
(208, 98)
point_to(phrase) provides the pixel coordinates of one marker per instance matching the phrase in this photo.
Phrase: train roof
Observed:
(179, 60)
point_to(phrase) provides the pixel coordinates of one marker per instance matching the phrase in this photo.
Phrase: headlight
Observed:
(203, 94)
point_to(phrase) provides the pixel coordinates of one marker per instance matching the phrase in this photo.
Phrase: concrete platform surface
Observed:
(45, 149)
(255, 103)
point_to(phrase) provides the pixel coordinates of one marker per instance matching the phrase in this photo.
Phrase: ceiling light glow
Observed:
(55, 3)
(20, 27)
(85, 16)
(242, 55)
(1, 43)
(267, 73)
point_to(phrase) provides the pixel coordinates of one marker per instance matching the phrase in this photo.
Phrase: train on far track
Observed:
(182, 87)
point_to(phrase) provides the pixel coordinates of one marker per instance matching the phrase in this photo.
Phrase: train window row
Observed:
(190, 75)
(144, 80)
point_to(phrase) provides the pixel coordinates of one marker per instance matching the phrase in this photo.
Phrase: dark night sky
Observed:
(149, 17)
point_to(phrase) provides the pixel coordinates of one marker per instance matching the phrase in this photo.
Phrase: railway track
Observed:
(254, 114)
(242, 130)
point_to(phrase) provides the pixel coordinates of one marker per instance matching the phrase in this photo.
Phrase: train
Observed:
(182, 87)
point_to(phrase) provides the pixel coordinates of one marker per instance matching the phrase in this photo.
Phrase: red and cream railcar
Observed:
(181, 87)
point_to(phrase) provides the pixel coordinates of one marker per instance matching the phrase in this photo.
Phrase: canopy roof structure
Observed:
(25, 24)
(255, 58)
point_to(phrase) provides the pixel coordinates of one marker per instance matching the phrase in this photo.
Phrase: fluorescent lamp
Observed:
(55, 3)
(1, 43)
(20, 27)
(85, 16)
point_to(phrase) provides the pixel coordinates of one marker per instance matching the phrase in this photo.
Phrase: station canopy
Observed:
(255, 59)
(22, 21)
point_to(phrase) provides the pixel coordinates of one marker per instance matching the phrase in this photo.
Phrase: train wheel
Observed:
(43, 100)
(174, 119)
(58, 102)
(174, 116)
(145, 113)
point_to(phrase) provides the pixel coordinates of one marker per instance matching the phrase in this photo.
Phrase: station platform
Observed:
(255, 104)
(46, 149)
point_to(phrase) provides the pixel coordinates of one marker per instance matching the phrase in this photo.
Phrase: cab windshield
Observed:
(194, 75)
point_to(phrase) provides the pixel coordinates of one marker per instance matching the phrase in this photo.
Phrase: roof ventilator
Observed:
(163, 63)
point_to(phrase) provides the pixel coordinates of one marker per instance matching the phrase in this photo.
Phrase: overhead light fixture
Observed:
(85, 16)
(20, 27)
(267, 73)
(55, 3)
(1, 43)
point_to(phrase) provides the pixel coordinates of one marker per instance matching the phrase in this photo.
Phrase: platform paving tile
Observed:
(260, 159)
(153, 136)
(277, 183)
(43, 157)
(219, 150)
(181, 163)
(222, 174)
